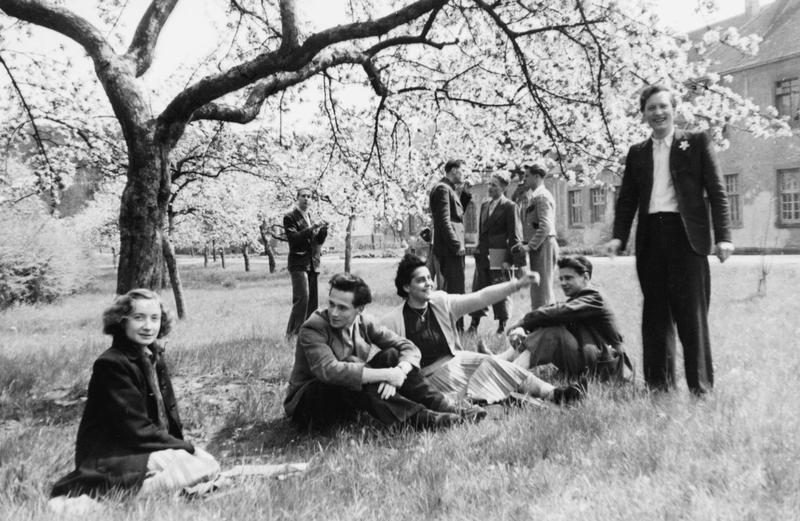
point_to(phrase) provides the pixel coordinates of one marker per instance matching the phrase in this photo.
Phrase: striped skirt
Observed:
(476, 376)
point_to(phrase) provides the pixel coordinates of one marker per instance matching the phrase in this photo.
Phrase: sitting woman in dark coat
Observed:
(130, 436)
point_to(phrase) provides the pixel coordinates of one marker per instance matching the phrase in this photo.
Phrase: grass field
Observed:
(622, 454)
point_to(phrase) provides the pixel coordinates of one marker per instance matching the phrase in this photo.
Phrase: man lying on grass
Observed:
(579, 336)
(332, 378)
(130, 436)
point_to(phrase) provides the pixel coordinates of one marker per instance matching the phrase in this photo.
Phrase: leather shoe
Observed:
(432, 420)
(571, 393)
(472, 413)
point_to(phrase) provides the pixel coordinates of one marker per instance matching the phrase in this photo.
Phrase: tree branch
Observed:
(276, 83)
(285, 64)
(115, 73)
(146, 36)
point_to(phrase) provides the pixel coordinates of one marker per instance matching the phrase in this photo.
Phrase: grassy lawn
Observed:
(623, 454)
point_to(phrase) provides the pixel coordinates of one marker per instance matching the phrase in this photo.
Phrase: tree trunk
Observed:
(222, 257)
(214, 250)
(205, 256)
(142, 212)
(174, 276)
(113, 255)
(267, 248)
(246, 257)
(348, 243)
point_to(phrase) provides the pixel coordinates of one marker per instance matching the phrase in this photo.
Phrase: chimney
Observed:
(751, 7)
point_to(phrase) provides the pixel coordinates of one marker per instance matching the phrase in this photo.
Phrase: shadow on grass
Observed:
(274, 437)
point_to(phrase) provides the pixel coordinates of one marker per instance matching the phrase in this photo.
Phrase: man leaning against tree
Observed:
(305, 245)
(667, 178)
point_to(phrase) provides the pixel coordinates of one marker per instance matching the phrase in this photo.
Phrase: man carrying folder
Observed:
(499, 233)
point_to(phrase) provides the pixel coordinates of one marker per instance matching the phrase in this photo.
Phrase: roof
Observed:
(777, 23)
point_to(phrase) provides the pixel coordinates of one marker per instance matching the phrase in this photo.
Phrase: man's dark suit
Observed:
(447, 211)
(499, 230)
(671, 255)
(304, 256)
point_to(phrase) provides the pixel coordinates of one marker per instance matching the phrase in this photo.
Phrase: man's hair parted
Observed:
(354, 284)
(453, 163)
(579, 263)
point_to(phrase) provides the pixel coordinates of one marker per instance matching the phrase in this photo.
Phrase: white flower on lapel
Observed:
(684, 145)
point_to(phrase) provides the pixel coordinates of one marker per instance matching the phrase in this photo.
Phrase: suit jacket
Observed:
(322, 354)
(586, 315)
(447, 211)
(304, 246)
(500, 230)
(539, 217)
(695, 174)
(120, 426)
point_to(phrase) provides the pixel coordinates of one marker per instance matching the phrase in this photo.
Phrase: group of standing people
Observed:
(409, 368)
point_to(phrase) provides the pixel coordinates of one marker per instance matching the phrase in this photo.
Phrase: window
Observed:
(732, 189)
(598, 198)
(575, 207)
(787, 97)
(789, 196)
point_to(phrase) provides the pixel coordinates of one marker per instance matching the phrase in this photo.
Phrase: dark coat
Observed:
(447, 212)
(305, 247)
(695, 175)
(500, 230)
(120, 427)
(586, 315)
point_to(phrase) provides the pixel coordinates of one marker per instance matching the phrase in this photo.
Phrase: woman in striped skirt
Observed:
(428, 318)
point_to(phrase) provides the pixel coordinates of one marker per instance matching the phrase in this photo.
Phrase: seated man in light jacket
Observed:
(334, 375)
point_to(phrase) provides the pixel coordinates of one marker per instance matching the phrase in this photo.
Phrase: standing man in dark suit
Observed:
(498, 233)
(447, 210)
(667, 178)
(305, 244)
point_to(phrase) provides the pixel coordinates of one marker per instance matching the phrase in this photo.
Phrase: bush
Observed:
(39, 259)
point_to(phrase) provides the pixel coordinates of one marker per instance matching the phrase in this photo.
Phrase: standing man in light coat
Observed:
(538, 216)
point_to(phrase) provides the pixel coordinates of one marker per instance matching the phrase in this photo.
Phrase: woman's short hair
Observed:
(650, 90)
(114, 316)
(354, 284)
(405, 272)
(578, 263)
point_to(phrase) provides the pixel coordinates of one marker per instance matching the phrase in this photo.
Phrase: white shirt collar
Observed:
(667, 140)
